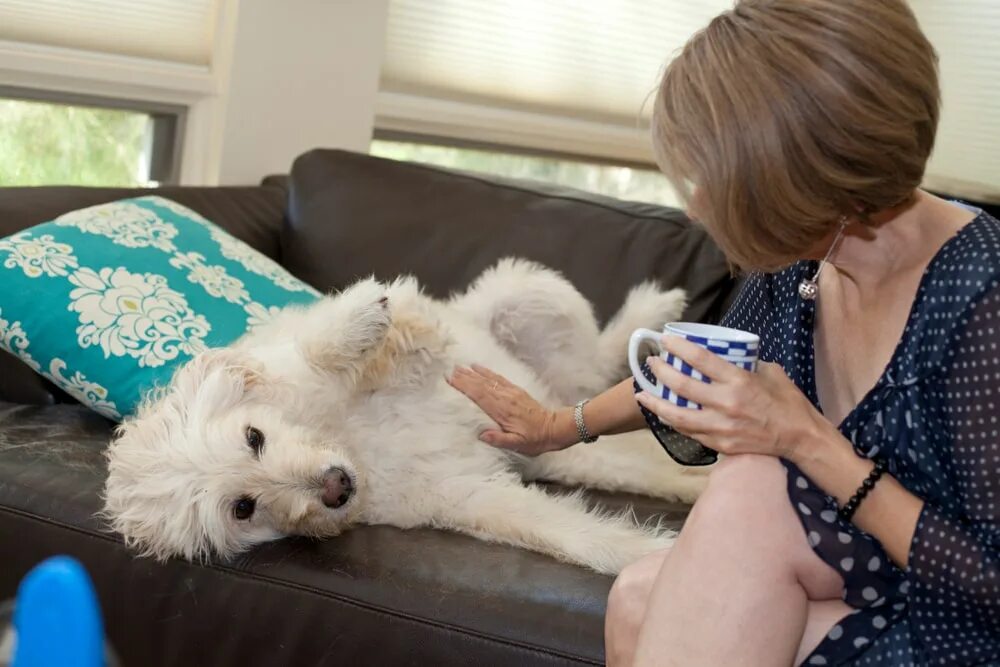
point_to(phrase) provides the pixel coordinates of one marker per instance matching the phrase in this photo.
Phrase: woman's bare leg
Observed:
(738, 584)
(627, 605)
(823, 615)
(629, 601)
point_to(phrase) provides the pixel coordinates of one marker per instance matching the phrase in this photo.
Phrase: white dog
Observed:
(339, 413)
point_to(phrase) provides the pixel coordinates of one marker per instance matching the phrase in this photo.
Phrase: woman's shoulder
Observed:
(962, 278)
(968, 265)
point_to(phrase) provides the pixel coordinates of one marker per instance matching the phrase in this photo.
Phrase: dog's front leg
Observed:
(336, 334)
(505, 511)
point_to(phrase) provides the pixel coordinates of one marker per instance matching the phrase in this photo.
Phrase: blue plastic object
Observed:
(57, 617)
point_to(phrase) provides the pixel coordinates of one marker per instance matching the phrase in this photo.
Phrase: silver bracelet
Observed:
(581, 428)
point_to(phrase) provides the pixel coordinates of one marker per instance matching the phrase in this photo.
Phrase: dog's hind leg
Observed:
(647, 305)
(540, 318)
(631, 462)
(545, 322)
(503, 510)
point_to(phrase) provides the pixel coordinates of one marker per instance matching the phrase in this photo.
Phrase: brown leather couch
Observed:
(376, 595)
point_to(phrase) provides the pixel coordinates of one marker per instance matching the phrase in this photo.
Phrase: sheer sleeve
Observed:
(954, 565)
(750, 312)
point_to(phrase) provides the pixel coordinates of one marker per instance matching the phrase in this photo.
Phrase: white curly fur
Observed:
(357, 382)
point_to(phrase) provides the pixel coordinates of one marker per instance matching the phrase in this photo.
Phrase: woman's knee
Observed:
(630, 592)
(743, 495)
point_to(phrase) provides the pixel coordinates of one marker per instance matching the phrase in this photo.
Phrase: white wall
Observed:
(304, 74)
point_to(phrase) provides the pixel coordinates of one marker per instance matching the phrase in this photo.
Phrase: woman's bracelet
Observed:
(851, 506)
(581, 428)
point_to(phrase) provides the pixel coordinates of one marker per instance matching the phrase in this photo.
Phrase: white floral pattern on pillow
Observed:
(144, 283)
(15, 340)
(38, 256)
(255, 262)
(77, 386)
(125, 223)
(258, 315)
(135, 314)
(214, 279)
(236, 250)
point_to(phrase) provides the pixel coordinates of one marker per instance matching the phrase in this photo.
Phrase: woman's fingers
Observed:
(471, 384)
(683, 385)
(697, 357)
(502, 439)
(686, 420)
(490, 375)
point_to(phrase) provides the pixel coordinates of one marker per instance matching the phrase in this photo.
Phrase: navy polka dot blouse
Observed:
(934, 416)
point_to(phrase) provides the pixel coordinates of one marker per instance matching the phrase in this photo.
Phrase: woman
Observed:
(855, 518)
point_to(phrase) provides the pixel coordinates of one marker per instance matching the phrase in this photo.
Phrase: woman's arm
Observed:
(528, 427)
(765, 413)
(889, 512)
(950, 549)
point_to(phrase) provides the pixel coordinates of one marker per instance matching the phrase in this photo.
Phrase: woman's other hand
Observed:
(742, 412)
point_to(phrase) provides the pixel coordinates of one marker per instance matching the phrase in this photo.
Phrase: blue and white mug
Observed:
(739, 348)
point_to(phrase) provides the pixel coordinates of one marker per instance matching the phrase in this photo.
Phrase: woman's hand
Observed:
(526, 426)
(742, 412)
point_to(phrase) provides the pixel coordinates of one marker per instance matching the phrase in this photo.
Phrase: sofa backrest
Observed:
(353, 215)
(253, 214)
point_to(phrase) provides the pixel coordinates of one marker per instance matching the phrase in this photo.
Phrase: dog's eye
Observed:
(255, 440)
(243, 508)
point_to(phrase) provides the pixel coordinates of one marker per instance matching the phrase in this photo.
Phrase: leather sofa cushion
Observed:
(252, 214)
(416, 597)
(353, 215)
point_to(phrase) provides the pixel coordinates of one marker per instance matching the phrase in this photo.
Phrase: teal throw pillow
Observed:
(107, 301)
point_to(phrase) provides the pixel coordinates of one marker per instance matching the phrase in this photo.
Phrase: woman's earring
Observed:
(809, 287)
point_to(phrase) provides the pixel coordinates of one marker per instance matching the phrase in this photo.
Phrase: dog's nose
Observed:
(337, 487)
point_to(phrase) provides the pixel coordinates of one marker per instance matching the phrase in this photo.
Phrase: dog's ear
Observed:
(218, 375)
(238, 365)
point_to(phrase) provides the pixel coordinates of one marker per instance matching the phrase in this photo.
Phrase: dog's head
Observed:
(219, 461)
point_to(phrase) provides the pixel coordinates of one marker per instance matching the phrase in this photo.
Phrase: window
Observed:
(109, 75)
(57, 143)
(573, 77)
(559, 76)
(637, 184)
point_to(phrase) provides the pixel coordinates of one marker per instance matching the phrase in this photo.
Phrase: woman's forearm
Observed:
(614, 411)
(889, 512)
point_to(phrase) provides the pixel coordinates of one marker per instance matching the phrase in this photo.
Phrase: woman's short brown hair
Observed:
(785, 115)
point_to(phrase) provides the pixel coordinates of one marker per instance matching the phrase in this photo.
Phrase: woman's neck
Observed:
(900, 241)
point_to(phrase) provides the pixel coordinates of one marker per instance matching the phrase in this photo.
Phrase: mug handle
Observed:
(638, 336)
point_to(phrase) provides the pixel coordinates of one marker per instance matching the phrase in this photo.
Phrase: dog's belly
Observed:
(474, 345)
(417, 436)
(414, 444)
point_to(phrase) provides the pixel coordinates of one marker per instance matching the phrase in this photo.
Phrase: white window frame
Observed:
(61, 73)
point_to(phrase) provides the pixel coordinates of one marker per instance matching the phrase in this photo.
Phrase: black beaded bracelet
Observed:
(851, 506)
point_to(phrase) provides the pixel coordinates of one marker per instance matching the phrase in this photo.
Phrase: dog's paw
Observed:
(368, 315)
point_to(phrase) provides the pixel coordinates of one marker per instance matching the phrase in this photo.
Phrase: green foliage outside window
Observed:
(647, 185)
(57, 144)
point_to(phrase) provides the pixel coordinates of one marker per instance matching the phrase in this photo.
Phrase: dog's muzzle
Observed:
(337, 488)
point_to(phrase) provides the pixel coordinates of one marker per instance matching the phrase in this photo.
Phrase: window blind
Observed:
(556, 75)
(179, 31)
(966, 159)
(596, 61)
